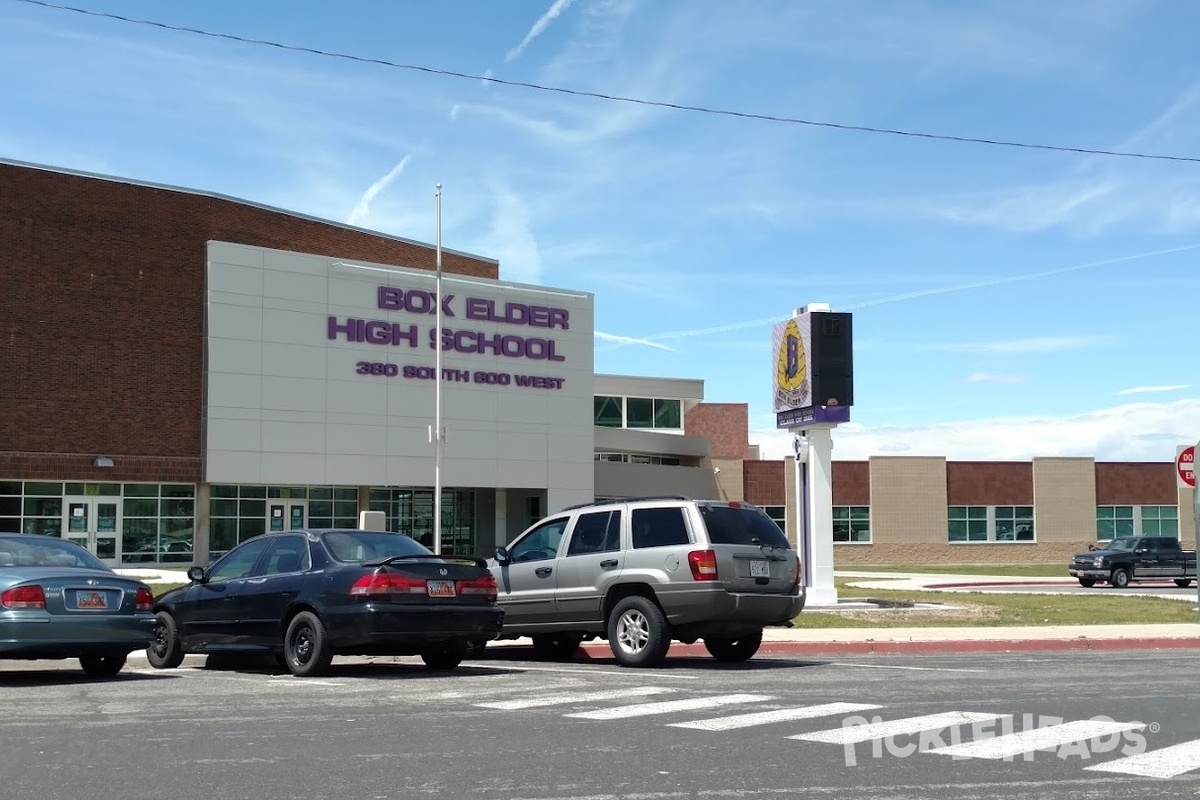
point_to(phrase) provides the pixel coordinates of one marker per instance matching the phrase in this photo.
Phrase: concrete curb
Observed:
(928, 647)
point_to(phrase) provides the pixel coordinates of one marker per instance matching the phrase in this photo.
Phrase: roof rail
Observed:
(626, 500)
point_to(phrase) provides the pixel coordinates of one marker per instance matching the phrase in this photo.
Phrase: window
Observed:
(659, 527)
(991, 524)
(852, 524)
(968, 523)
(288, 554)
(1014, 524)
(599, 532)
(542, 542)
(609, 411)
(637, 412)
(1160, 520)
(778, 515)
(237, 563)
(1113, 521)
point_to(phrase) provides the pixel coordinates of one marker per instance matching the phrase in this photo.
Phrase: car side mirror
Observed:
(502, 557)
(196, 575)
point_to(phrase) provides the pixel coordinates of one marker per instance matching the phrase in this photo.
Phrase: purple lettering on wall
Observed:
(391, 298)
(373, 331)
(497, 344)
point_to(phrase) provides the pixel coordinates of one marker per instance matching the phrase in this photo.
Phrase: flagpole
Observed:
(437, 433)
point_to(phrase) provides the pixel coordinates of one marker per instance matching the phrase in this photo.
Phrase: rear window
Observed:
(728, 525)
(364, 546)
(44, 551)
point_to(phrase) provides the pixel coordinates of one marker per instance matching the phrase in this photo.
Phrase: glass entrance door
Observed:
(93, 522)
(286, 515)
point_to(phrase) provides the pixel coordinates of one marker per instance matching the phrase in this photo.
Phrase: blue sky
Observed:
(1008, 302)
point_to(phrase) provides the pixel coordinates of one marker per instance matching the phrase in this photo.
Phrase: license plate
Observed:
(760, 569)
(91, 600)
(441, 588)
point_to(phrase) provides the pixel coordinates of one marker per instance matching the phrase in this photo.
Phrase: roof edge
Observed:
(240, 201)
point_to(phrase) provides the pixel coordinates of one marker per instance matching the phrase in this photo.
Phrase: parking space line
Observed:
(853, 734)
(1037, 739)
(574, 697)
(670, 706)
(1166, 762)
(767, 717)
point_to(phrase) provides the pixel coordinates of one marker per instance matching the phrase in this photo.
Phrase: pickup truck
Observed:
(1135, 558)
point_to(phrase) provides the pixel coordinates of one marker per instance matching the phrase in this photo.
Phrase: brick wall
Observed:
(1135, 484)
(102, 310)
(726, 425)
(846, 556)
(851, 483)
(764, 483)
(989, 483)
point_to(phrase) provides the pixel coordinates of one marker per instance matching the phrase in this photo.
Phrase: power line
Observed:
(617, 98)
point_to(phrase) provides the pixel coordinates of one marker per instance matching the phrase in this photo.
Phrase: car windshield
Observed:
(45, 552)
(1122, 545)
(741, 525)
(358, 547)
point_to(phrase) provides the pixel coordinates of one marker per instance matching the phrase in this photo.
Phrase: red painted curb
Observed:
(928, 647)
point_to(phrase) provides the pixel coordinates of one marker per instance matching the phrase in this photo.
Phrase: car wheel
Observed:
(103, 665)
(733, 650)
(445, 658)
(1087, 582)
(1120, 578)
(556, 646)
(1182, 583)
(306, 648)
(638, 632)
(165, 652)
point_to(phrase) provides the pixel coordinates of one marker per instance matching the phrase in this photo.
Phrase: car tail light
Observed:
(799, 573)
(144, 600)
(703, 564)
(23, 597)
(485, 586)
(382, 583)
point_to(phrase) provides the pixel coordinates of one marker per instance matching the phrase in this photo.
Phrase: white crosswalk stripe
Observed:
(670, 706)
(853, 734)
(568, 698)
(768, 717)
(1037, 739)
(1166, 762)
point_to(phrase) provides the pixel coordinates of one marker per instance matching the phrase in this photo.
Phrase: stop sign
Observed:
(1185, 466)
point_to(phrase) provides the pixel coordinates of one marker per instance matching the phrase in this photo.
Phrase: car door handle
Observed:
(608, 563)
(542, 572)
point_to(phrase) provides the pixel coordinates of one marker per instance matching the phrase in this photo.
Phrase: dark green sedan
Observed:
(57, 601)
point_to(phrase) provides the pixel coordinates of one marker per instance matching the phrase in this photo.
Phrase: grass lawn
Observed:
(1018, 570)
(992, 609)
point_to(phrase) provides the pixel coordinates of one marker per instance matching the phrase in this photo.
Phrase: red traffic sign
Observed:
(1185, 466)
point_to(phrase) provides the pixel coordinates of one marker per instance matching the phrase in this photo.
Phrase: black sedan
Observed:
(306, 596)
(57, 600)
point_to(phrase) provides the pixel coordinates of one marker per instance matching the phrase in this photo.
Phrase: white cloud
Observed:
(1041, 344)
(539, 27)
(990, 377)
(1154, 389)
(612, 337)
(511, 240)
(363, 207)
(1134, 432)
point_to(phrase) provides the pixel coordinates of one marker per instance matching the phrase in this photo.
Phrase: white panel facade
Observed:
(320, 372)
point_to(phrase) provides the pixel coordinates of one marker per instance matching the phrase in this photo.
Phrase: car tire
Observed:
(556, 646)
(638, 632)
(1120, 578)
(731, 651)
(102, 665)
(1183, 583)
(306, 649)
(1087, 583)
(166, 651)
(447, 657)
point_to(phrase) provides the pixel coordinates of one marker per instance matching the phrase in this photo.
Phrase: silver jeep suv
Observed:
(642, 572)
